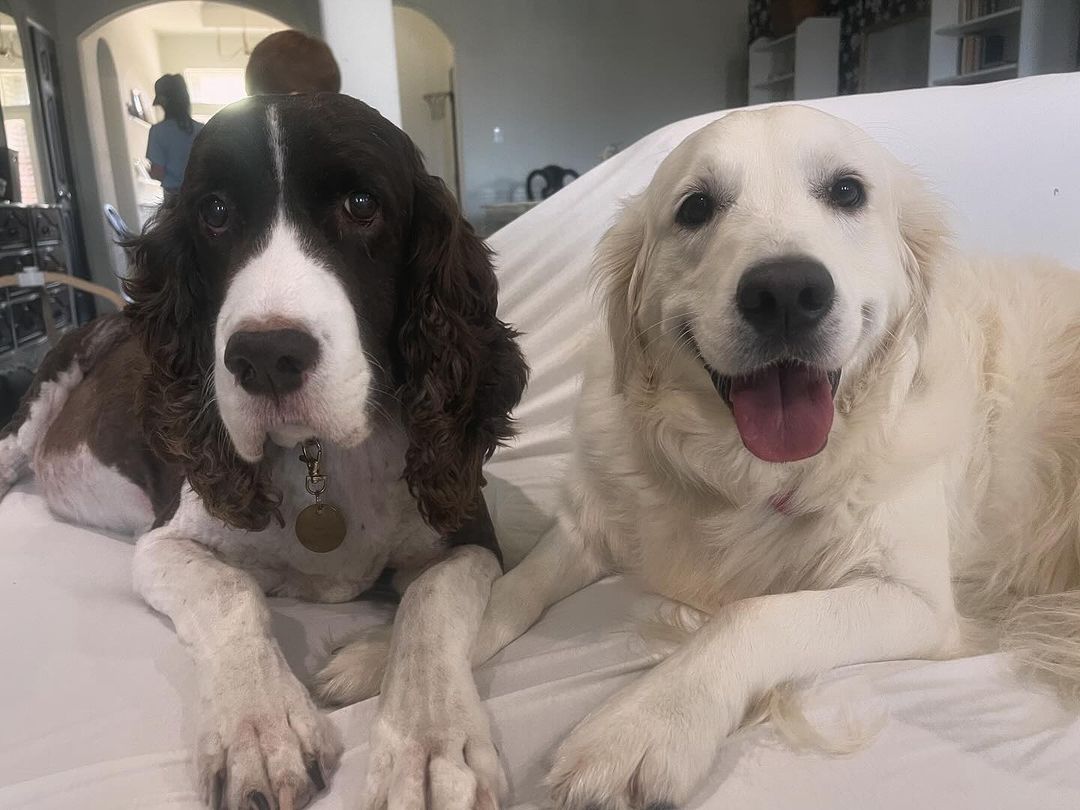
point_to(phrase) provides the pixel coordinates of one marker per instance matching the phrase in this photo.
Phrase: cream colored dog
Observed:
(818, 425)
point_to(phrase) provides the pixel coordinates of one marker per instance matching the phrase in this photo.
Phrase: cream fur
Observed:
(945, 501)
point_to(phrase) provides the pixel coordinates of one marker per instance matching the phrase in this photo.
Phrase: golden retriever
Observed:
(816, 424)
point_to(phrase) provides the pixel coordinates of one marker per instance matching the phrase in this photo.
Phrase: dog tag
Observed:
(320, 527)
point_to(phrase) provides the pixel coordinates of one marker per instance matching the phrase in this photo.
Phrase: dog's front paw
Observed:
(263, 745)
(434, 753)
(354, 671)
(643, 749)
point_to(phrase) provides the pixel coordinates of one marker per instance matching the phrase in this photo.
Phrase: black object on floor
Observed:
(13, 384)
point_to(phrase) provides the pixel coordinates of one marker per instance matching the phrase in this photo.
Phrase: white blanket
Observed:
(93, 684)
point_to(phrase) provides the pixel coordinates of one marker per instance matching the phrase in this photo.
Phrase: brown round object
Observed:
(787, 14)
(292, 62)
(320, 527)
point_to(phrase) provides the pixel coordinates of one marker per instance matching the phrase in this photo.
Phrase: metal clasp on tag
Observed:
(315, 483)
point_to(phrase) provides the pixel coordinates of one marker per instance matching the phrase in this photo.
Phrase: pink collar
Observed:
(782, 503)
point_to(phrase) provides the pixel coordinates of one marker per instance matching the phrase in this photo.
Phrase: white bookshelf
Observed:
(802, 65)
(1039, 36)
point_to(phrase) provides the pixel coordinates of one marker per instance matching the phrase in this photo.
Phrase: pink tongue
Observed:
(784, 413)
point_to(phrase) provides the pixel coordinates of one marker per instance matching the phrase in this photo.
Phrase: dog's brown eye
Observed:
(695, 211)
(847, 192)
(361, 206)
(214, 213)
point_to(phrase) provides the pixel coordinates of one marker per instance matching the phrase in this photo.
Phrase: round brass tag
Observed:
(320, 527)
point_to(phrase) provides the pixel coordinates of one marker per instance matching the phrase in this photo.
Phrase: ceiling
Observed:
(196, 16)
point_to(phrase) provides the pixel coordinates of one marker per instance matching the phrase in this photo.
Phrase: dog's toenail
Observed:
(256, 801)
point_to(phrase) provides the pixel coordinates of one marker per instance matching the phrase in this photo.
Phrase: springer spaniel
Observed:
(312, 289)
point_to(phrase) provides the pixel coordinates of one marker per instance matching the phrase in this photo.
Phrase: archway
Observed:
(122, 56)
(113, 112)
(425, 59)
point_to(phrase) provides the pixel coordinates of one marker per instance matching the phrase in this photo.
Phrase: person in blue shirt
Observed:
(170, 141)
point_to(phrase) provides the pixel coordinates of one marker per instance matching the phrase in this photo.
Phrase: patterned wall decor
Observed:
(761, 23)
(858, 15)
(855, 17)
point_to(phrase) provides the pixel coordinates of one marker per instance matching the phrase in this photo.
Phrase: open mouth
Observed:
(783, 411)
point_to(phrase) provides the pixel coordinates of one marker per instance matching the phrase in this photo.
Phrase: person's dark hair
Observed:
(291, 62)
(171, 93)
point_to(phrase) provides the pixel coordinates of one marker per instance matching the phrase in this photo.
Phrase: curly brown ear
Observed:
(172, 316)
(464, 371)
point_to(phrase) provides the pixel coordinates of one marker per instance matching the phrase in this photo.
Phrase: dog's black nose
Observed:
(785, 297)
(271, 362)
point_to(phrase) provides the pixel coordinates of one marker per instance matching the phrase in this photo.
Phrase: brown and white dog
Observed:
(310, 281)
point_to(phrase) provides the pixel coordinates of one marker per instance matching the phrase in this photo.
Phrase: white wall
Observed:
(361, 35)
(135, 54)
(217, 51)
(425, 59)
(180, 50)
(562, 79)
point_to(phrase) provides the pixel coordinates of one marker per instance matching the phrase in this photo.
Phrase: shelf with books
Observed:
(775, 80)
(989, 40)
(978, 52)
(990, 74)
(992, 21)
(801, 65)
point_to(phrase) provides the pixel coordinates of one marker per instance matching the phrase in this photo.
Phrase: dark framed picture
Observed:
(136, 109)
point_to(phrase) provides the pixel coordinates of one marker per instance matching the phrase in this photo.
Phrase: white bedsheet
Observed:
(93, 685)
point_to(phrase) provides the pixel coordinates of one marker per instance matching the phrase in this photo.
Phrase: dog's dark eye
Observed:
(361, 206)
(847, 192)
(214, 213)
(695, 211)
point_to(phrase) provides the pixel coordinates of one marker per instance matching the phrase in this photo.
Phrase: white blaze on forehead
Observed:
(277, 146)
(285, 286)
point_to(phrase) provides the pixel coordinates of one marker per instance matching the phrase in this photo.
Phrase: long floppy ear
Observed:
(618, 270)
(924, 230)
(464, 372)
(172, 316)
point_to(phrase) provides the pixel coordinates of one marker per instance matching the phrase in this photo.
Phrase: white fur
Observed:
(284, 283)
(948, 488)
(18, 449)
(45, 407)
(258, 728)
(12, 463)
(431, 737)
(79, 488)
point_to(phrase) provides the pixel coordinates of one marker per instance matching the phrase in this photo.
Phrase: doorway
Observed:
(19, 130)
(121, 58)
(425, 58)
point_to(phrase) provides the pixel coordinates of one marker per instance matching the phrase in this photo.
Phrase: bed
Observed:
(93, 684)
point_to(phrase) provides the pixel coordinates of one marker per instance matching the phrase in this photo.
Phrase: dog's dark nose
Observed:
(785, 297)
(271, 362)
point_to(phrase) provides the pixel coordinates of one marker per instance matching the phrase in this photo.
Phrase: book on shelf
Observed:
(973, 9)
(979, 52)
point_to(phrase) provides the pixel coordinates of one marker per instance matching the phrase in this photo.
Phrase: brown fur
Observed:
(100, 412)
(173, 319)
(460, 370)
(465, 372)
